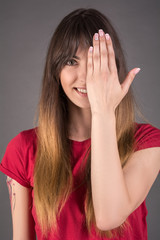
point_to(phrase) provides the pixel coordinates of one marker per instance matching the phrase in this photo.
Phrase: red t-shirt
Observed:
(18, 163)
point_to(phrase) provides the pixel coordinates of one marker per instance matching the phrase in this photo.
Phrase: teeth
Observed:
(82, 90)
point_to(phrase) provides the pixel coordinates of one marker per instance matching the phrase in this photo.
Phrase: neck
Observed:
(79, 123)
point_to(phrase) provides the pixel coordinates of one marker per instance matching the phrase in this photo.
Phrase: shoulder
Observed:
(146, 136)
(23, 139)
(19, 157)
(28, 137)
(146, 128)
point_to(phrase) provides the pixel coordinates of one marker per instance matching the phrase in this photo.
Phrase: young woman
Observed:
(84, 172)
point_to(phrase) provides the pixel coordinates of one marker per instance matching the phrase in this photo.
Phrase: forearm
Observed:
(110, 195)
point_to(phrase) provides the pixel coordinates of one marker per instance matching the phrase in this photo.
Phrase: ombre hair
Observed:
(53, 180)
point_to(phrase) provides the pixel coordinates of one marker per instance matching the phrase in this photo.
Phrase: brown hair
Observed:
(52, 173)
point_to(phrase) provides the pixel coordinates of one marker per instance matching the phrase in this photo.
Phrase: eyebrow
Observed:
(76, 57)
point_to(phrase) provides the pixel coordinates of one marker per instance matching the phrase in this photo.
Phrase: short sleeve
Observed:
(12, 163)
(147, 136)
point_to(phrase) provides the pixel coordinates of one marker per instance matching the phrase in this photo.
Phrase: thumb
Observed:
(129, 79)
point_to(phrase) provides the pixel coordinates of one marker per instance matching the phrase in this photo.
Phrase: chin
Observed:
(84, 106)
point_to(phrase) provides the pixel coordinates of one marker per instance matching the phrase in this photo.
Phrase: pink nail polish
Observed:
(90, 48)
(101, 32)
(137, 70)
(107, 36)
(96, 36)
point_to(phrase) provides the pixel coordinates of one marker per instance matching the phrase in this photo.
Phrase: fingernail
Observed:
(90, 48)
(96, 36)
(137, 70)
(101, 32)
(107, 36)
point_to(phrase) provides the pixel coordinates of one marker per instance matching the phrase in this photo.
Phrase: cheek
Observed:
(67, 78)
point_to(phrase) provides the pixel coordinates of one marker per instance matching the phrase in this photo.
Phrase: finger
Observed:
(111, 54)
(103, 52)
(90, 61)
(96, 54)
(129, 79)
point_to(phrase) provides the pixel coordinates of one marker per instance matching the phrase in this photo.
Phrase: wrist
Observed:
(109, 113)
(104, 117)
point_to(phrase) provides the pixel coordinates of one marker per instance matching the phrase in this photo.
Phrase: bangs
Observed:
(79, 32)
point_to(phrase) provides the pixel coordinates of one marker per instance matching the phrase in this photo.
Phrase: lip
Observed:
(80, 93)
(82, 87)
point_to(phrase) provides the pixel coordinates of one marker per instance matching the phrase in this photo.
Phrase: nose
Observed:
(82, 72)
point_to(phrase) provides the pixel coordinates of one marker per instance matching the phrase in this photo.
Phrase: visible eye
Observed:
(71, 62)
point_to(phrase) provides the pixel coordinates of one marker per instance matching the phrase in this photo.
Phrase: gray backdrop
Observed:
(25, 31)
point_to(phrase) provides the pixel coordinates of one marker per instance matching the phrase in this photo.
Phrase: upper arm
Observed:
(21, 206)
(140, 173)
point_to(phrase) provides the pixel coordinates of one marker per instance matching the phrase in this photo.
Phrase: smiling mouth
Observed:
(82, 92)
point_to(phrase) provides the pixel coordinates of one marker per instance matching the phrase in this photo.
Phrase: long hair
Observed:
(53, 182)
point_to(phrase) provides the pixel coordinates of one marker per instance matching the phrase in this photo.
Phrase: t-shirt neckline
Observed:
(80, 142)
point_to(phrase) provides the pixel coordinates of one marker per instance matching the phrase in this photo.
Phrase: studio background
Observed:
(25, 31)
